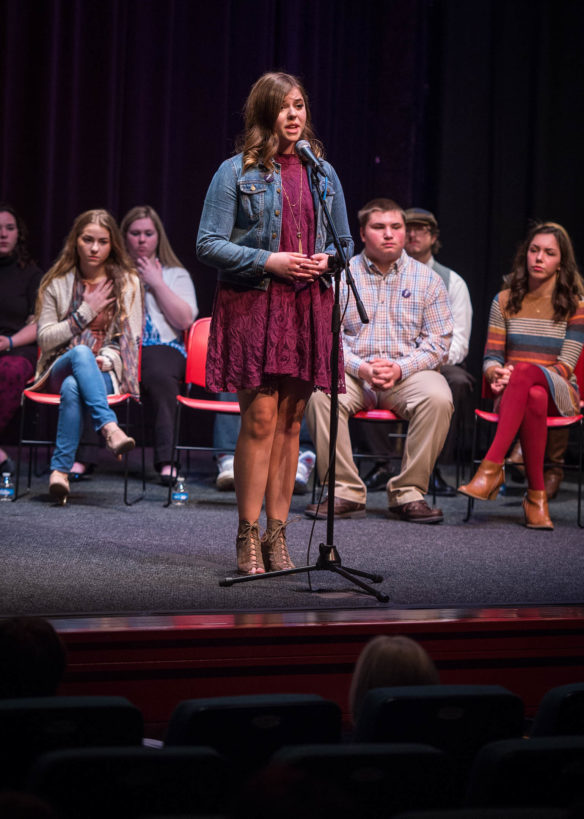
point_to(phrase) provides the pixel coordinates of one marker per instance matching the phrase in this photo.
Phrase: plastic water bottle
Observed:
(180, 494)
(6, 487)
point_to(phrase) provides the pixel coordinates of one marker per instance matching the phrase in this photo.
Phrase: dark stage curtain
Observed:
(467, 107)
(133, 101)
(508, 150)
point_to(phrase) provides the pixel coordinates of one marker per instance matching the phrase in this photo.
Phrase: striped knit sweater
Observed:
(533, 336)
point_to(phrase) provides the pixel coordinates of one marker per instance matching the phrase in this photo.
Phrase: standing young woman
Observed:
(535, 337)
(170, 307)
(89, 314)
(264, 228)
(19, 282)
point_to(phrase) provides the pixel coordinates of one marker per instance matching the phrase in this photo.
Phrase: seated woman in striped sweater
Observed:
(535, 337)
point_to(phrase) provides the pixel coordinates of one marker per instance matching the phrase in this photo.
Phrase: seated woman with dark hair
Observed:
(389, 661)
(170, 307)
(19, 282)
(535, 337)
(89, 313)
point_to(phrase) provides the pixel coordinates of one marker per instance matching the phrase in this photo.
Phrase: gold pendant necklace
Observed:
(292, 206)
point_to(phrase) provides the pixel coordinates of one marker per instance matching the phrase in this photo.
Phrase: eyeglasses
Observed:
(418, 228)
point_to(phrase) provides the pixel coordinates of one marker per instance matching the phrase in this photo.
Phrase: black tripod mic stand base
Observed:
(328, 561)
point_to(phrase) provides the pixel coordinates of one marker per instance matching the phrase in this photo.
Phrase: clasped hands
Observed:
(498, 378)
(380, 373)
(297, 266)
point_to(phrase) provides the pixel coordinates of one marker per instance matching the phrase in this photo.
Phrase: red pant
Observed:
(524, 407)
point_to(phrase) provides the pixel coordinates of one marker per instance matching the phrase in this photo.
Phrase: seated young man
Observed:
(390, 363)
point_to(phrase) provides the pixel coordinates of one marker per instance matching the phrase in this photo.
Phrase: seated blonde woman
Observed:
(170, 307)
(89, 315)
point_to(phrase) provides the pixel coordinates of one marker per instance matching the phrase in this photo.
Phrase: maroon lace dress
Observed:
(285, 330)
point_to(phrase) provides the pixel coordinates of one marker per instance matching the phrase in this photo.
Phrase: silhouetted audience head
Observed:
(389, 661)
(32, 658)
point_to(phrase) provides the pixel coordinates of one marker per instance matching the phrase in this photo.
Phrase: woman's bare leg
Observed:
(259, 414)
(293, 396)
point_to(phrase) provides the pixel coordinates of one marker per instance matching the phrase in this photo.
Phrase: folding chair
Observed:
(459, 719)
(248, 729)
(365, 780)
(197, 343)
(33, 726)
(552, 422)
(561, 712)
(545, 771)
(93, 783)
(40, 399)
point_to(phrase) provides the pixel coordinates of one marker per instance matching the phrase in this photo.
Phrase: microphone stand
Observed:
(329, 558)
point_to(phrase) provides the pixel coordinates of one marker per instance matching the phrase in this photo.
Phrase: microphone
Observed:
(305, 152)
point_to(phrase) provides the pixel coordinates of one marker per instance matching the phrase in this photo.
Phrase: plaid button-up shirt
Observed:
(409, 316)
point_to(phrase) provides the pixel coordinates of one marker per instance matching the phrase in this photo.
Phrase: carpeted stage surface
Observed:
(98, 556)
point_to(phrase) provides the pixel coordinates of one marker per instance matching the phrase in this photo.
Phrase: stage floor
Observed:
(135, 592)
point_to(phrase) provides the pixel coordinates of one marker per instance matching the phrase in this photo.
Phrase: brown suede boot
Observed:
(536, 511)
(557, 443)
(249, 549)
(486, 481)
(116, 439)
(274, 548)
(514, 467)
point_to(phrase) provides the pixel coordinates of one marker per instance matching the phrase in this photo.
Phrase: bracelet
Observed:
(10, 343)
(76, 318)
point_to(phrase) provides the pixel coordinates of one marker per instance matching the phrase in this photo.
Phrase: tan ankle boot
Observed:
(274, 548)
(116, 439)
(59, 486)
(486, 481)
(249, 549)
(536, 511)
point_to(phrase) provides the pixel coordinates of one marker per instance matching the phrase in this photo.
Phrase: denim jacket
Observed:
(242, 221)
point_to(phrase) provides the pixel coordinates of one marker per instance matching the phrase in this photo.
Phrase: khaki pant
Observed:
(423, 399)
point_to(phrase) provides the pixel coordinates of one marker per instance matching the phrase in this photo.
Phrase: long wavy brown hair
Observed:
(258, 142)
(164, 251)
(569, 288)
(118, 265)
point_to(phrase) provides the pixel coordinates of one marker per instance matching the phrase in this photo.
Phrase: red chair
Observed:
(197, 342)
(123, 400)
(552, 421)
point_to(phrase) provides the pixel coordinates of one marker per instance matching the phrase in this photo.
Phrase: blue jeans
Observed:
(84, 389)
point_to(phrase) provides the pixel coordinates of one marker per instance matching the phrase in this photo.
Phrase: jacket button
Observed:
(252, 188)
(277, 212)
(274, 235)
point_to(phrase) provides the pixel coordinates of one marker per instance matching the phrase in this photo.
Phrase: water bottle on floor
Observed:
(6, 487)
(180, 494)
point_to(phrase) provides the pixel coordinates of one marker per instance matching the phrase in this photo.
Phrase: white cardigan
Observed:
(54, 332)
